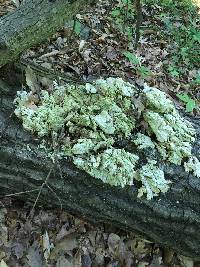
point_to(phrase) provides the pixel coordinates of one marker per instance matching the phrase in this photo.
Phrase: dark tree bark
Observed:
(172, 219)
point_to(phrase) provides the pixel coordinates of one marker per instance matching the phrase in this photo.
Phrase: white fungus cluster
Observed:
(193, 165)
(173, 133)
(153, 180)
(113, 166)
(93, 117)
(143, 141)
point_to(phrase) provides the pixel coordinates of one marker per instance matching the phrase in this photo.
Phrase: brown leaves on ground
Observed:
(59, 239)
(93, 46)
(6, 6)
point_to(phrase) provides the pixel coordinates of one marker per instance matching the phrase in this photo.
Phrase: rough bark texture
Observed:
(172, 219)
(33, 22)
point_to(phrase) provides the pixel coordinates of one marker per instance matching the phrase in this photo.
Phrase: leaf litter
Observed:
(98, 44)
(56, 238)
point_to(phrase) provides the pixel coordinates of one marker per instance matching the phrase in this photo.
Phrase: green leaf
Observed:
(126, 2)
(191, 104)
(131, 57)
(173, 71)
(183, 97)
(197, 80)
(116, 12)
(144, 71)
(197, 37)
(77, 27)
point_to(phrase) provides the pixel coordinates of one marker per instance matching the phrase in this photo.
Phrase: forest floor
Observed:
(101, 43)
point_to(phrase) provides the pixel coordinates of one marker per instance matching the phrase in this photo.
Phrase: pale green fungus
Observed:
(174, 134)
(153, 180)
(85, 122)
(193, 165)
(113, 166)
(143, 141)
(157, 100)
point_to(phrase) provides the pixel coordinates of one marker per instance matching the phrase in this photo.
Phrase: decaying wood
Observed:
(172, 219)
(32, 23)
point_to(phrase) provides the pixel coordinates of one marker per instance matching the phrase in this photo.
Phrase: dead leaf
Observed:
(3, 228)
(46, 83)
(86, 55)
(86, 260)
(63, 262)
(111, 53)
(102, 38)
(16, 2)
(168, 255)
(52, 53)
(31, 80)
(113, 242)
(47, 65)
(77, 259)
(46, 246)
(186, 262)
(34, 256)
(68, 243)
(138, 247)
(18, 250)
(143, 264)
(63, 232)
(81, 45)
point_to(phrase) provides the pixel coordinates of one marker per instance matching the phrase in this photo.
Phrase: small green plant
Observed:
(196, 81)
(142, 70)
(123, 16)
(77, 27)
(178, 26)
(173, 71)
(132, 58)
(188, 101)
(187, 39)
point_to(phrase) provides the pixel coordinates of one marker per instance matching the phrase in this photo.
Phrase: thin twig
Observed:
(39, 193)
(20, 193)
(55, 195)
(125, 15)
(138, 8)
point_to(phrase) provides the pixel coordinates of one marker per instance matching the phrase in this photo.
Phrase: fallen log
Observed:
(32, 23)
(172, 219)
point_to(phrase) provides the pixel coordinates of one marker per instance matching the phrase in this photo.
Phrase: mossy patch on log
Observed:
(86, 121)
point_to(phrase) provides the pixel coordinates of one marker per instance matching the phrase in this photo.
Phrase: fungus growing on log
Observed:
(85, 123)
